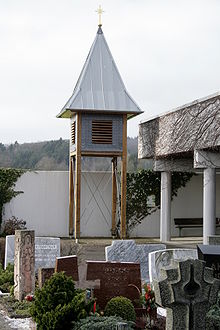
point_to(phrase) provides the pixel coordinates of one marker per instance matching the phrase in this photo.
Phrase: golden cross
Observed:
(100, 11)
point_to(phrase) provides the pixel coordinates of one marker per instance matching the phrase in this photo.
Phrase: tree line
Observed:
(54, 155)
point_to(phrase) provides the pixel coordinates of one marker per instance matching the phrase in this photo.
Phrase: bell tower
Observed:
(98, 111)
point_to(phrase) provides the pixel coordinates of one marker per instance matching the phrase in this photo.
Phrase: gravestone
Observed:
(214, 240)
(46, 251)
(68, 265)
(24, 275)
(43, 275)
(116, 279)
(129, 251)
(211, 255)
(164, 258)
(186, 289)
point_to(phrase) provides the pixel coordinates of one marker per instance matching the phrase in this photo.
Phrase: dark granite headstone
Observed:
(68, 265)
(211, 255)
(43, 275)
(116, 279)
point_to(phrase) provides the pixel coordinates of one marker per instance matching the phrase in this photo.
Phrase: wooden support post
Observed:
(71, 195)
(114, 194)
(78, 176)
(124, 177)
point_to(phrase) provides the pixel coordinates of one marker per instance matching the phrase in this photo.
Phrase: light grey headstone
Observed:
(47, 249)
(164, 258)
(129, 251)
(214, 240)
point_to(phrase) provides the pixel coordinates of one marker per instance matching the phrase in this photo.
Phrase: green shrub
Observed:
(213, 316)
(121, 306)
(6, 278)
(100, 323)
(57, 304)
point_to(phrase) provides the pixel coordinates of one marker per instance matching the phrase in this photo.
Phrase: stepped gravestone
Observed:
(164, 258)
(47, 249)
(24, 274)
(129, 251)
(186, 289)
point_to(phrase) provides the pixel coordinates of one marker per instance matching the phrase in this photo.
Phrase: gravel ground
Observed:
(20, 324)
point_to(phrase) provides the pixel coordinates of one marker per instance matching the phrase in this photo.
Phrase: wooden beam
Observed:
(124, 177)
(101, 153)
(71, 195)
(114, 194)
(78, 176)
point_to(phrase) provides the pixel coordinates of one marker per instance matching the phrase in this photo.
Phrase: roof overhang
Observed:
(68, 113)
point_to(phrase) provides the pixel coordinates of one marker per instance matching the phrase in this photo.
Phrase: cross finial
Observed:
(100, 11)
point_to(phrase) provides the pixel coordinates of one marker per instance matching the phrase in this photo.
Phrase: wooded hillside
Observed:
(54, 155)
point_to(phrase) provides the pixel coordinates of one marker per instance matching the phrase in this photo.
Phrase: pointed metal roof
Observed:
(100, 87)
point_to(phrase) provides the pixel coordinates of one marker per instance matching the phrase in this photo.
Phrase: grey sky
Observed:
(167, 52)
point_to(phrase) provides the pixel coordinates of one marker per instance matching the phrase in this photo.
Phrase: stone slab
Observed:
(214, 240)
(129, 251)
(164, 258)
(47, 249)
(43, 275)
(116, 279)
(68, 265)
(211, 255)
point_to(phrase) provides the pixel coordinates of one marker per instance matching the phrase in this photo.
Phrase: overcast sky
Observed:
(167, 52)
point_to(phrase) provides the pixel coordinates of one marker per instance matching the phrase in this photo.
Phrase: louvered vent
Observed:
(102, 131)
(73, 132)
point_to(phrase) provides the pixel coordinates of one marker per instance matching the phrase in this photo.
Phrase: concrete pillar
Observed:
(165, 207)
(209, 203)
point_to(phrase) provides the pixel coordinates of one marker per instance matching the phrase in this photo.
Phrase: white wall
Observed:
(44, 205)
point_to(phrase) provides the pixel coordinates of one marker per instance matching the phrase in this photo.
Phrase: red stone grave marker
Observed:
(116, 279)
(68, 265)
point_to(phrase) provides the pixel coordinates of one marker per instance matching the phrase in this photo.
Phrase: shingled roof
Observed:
(100, 87)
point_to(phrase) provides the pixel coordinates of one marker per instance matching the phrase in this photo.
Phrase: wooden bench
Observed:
(191, 223)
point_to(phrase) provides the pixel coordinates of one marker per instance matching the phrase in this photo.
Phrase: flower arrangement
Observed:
(149, 299)
(29, 297)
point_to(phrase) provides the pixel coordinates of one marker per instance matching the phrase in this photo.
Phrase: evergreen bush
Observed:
(100, 323)
(6, 278)
(213, 316)
(58, 303)
(121, 306)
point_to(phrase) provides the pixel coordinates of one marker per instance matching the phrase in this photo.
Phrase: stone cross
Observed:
(186, 289)
(24, 262)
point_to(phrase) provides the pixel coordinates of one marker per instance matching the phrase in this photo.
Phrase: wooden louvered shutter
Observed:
(73, 132)
(102, 131)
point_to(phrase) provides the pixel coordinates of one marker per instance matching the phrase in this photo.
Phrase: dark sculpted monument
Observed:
(186, 290)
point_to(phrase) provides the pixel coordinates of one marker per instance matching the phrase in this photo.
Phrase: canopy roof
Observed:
(100, 87)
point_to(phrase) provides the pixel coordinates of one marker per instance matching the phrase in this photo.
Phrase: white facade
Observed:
(44, 205)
